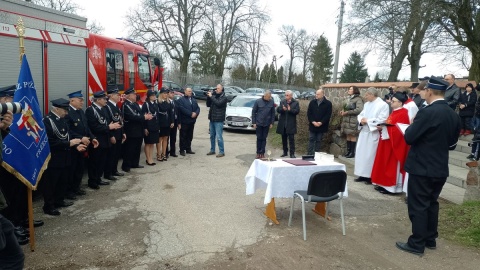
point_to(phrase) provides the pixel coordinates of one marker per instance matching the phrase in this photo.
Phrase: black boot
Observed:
(349, 149)
(352, 153)
(284, 154)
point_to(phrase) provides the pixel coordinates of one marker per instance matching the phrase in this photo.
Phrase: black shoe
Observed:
(21, 232)
(113, 178)
(93, 186)
(293, 156)
(182, 153)
(470, 156)
(103, 183)
(125, 169)
(138, 167)
(431, 245)
(368, 181)
(51, 212)
(118, 174)
(70, 196)
(80, 192)
(360, 179)
(63, 204)
(190, 152)
(173, 155)
(284, 155)
(22, 240)
(407, 248)
(36, 223)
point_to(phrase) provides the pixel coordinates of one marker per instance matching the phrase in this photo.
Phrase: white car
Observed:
(239, 112)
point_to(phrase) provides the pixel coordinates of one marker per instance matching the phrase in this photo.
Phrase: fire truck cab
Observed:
(64, 57)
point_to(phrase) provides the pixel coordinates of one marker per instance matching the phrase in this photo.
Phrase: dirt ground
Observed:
(192, 213)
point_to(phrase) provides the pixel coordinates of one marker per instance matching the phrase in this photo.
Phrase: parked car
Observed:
(238, 89)
(198, 90)
(177, 95)
(255, 90)
(173, 86)
(307, 95)
(239, 112)
(230, 93)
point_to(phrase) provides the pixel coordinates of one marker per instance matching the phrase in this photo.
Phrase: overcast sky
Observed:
(314, 16)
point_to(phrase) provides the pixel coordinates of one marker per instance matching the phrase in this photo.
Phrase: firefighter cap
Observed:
(76, 94)
(60, 103)
(129, 91)
(112, 90)
(437, 84)
(8, 91)
(99, 94)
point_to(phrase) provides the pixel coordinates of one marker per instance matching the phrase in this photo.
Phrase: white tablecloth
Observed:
(280, 179)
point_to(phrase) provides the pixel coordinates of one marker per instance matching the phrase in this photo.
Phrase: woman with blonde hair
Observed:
(165, 121)
(353, 107)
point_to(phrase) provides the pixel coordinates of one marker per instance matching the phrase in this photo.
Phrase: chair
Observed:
(322, 187)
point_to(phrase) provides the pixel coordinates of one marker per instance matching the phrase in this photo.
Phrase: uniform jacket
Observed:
(434, 129)
(288, 119)
(115, 116)
(133, 119)
(59, 141)
(218, 107)
(98, 121)
(263, 112)
(353, 107)
(469, 101)
(77, 124)
(319, 113)
(164, 114)
(418, 100)
(152, 124)
(186, 107)
(175, 113)
(452, 95)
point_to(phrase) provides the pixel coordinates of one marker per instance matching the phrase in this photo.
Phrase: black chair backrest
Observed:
(327, 184)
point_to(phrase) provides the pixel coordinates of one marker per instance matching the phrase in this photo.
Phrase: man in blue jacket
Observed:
(188, 111)
(263, 117)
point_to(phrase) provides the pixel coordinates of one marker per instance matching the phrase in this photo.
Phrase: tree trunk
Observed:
(184, 67)
(290, 73)
(474, 72)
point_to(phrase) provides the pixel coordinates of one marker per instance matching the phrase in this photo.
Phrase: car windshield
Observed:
(243, 102)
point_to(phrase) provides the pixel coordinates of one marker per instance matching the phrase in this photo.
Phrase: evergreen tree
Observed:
(280, 75)
(207, 58)
(239, 72)
(264, 74)
(354, 70)
(321, 61)
(377, 78)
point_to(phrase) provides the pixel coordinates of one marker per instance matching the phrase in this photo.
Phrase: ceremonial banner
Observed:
(25, 150)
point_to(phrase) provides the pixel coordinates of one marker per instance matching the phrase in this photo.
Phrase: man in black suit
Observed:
(433, 132)
(78, 126)
(101, 126)
(188, 111)
(56, 175)
(133, 119)
(115, 150)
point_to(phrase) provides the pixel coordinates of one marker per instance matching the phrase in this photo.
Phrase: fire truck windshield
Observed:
(144, 68)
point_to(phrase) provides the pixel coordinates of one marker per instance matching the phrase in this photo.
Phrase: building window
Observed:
(115, 69)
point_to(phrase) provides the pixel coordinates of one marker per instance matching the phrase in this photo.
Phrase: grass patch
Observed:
(461, 223)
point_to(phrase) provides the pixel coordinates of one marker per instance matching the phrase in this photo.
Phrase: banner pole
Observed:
(30, 220)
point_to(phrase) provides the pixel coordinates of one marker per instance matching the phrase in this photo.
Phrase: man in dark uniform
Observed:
(433, 132)
(101, 126)
(133, 119)
(176, 124)
(56, 175)
(77, 123)
(113, 154)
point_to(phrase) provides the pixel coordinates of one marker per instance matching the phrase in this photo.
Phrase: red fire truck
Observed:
(64, 57)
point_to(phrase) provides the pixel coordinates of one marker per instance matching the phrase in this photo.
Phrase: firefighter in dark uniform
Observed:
(176, 124)
(77, 123)
(56, 175)
(433, 132)
(133, 119)
(101, 126)
(113, 154)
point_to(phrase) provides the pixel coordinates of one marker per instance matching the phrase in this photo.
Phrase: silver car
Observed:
(239, 113)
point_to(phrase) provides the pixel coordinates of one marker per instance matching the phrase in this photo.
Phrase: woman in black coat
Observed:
(467, 109)
(150, 127)
(165, 121)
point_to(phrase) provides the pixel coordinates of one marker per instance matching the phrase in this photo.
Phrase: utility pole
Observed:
(339, 41)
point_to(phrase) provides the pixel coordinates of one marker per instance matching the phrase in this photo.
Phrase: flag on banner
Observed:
(25, 150)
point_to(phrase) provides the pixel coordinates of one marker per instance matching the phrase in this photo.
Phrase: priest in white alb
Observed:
(375, 112)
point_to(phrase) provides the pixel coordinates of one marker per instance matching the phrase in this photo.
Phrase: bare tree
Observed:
(95, 27)
(290, 37)
(252, 44)
(173, 23)
(68, 6)
(305, 47)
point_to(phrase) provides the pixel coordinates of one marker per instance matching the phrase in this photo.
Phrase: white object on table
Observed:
(280, 179)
